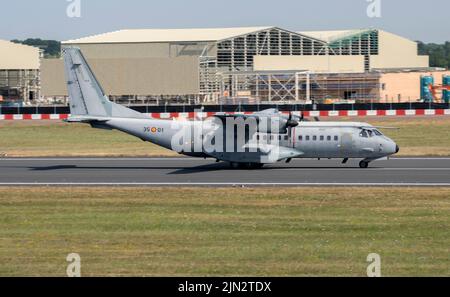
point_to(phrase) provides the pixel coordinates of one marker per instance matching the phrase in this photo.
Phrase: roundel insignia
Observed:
(154, 130)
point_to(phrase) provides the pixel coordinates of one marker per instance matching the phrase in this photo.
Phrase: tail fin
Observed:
(86, 96)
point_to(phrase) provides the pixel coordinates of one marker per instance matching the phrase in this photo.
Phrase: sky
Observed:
(424, 20)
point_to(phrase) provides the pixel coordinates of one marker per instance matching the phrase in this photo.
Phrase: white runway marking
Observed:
(400, 184)
(186, 159)
(359, 169)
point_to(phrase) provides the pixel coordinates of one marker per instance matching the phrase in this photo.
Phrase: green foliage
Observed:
(52, 48)
(439, 53)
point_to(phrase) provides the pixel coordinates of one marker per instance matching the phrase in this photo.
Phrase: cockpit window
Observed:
(364, 134)
(378, 133)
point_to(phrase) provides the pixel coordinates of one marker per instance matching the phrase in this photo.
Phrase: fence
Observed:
(63, 110)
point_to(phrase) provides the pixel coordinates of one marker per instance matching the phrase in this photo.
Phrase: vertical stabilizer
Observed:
(86, 95)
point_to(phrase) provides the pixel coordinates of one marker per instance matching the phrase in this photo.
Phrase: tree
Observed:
(52, 48)
(439, 53)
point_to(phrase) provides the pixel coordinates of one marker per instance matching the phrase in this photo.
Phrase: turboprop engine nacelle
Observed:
(276, 124)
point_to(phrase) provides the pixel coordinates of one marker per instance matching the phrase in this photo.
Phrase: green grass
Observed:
(418, 136)
(55, 138)
(224, 232)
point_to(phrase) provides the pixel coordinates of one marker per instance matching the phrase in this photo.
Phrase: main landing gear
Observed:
(363, 164)
(246, 165)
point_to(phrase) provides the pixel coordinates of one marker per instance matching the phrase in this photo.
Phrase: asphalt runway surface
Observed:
(200, 172)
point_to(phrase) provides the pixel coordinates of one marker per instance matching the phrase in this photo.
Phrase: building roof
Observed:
(166, 35)
(330, 36)
(14, 56)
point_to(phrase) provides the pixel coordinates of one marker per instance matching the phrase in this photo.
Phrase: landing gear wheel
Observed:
(236, 165)
(254, 165)
(363, 164)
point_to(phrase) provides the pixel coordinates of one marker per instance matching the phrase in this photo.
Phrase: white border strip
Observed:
(166, 115)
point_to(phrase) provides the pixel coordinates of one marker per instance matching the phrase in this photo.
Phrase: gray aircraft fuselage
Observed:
(313, 139)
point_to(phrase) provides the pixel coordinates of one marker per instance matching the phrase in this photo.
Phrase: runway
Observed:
(199, 172)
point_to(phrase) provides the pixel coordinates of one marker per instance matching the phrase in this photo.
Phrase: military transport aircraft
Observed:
(245, 141)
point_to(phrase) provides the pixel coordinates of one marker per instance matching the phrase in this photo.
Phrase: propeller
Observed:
(291, 122)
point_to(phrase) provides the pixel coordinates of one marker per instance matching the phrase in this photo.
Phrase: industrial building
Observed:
(19, 73)
(254, 64)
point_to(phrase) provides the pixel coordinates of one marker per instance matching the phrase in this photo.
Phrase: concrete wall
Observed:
(140, 76)
(397, 52)
(18, 56)
(343, 64)
(53, 82)
(405, 85)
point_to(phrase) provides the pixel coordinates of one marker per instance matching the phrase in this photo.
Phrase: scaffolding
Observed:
(19, 86)
(230, 73)
(280, 86)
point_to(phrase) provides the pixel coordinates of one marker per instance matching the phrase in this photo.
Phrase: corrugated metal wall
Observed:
(143, 76)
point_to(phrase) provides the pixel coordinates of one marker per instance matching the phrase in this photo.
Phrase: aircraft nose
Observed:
(397, 148)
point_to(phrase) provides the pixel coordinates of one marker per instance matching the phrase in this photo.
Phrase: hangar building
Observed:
(245, 64)
(19, 73)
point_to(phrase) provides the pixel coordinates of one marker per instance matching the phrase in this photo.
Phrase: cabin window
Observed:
(286, 137)
(328, 138)
(271, 137)
(336, 138)
(322, 138)
(364, 134)
(371, 134)
(307, 138)
(314, 137)
(300, 137)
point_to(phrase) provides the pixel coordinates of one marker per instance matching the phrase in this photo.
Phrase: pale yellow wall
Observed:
(145, 76)
(53, 82)
(407, 85)
(397, 52)
(18, 56)
(144, 50)
(344, 64)
(124, 50)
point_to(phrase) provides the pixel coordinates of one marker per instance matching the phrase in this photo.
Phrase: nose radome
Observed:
(397, 148)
